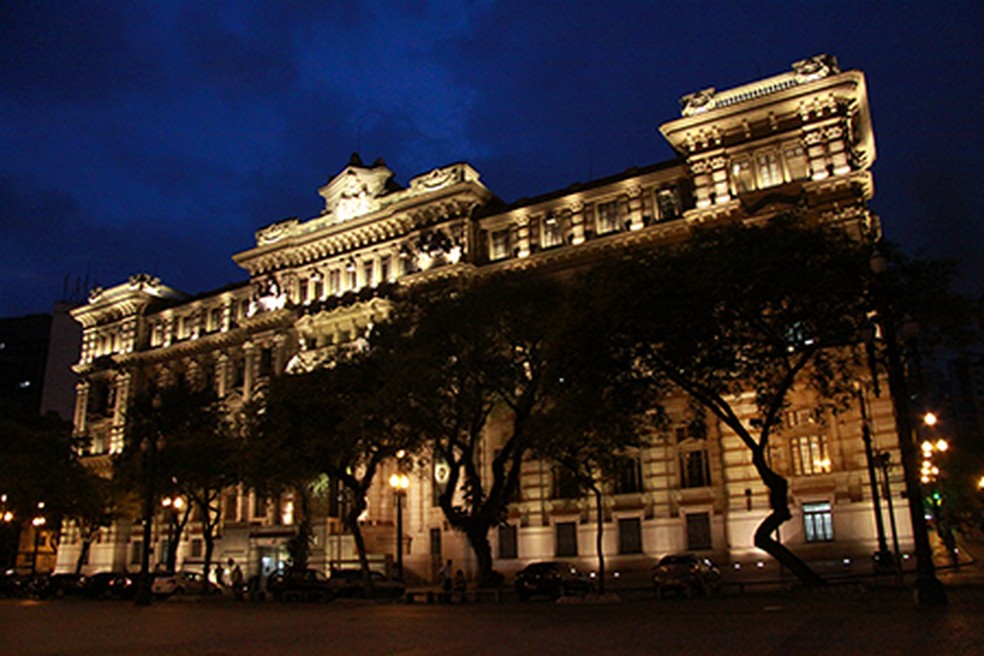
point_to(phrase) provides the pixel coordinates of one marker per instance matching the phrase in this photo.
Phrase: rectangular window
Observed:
(302, 296)
(136, 552)
(319, 290)
(508, 546)
(369, 274)
(818, 522)
(630, 535)
(566, 536)
(628, 478)
(565, 485)
(435, 543)
(668, 203)
(742, 176)
(695, 470)
(351, 279)
(215, 319)
(334, 282)
(259, 508)
(500, 244)
(551, 232)
(796, 162)
(769, 171)
(385, 269)
(810, 455)
(232, 507)
(698, 531)
(196, 548)
(608, 216)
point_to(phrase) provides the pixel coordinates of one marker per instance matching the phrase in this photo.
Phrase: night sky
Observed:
(158, 136)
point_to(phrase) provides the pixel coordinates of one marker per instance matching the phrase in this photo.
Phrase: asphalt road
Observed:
(838, 620)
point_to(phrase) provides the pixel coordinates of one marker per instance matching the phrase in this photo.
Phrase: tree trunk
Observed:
(352, 519)
(83, 554)
(599, 538)
(779, 502)
(478, 538)
(209, 549)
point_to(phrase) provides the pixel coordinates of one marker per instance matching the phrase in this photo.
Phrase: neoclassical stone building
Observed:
(799, 140)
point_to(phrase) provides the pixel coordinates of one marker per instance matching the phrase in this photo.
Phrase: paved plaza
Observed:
(849, 619)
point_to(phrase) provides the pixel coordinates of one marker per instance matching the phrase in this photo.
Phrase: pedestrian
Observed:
(460, 585)
(219, 576)
(445, 574)
(237, 582)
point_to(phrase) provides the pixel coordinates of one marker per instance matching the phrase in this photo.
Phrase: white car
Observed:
(165, 585)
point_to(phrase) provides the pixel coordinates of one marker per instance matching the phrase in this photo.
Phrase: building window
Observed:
(810, 455)
(369, 274)
(302, 296)
(215, 319)
(698, 531)
(608, 215)
(818, 522)
(351, 279)
(565, 485)
(266, 361)
(628, 476)
(232, 507)
(796, 162)
(259, 508)
(500, 244)
(196, 548)
(630, 535)
(742, 176)
(385, 269)
(335, 282)
(508, 545)
(551, 232)
(695, 470)
(136, 551)
(435, 544)
(668, 203)
(566, 535)
(769, 170)
(319, 290)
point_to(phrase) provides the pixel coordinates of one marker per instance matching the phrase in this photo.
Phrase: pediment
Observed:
(356, 190)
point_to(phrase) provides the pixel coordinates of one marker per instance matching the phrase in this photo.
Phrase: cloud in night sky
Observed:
(159, 136)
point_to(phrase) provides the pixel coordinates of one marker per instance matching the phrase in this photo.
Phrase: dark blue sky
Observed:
(158, 136)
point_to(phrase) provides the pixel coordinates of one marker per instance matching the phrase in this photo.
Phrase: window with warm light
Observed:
(499, 245)
(551, 232)
(769, 169)
(608, 216)
(810, 456)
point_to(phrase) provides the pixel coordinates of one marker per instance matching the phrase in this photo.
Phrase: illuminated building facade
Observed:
(801, 140)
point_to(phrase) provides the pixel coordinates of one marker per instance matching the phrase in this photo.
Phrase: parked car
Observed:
(300, 585)
(109, 585)
(686, 574)
(348, 583)
(62, 585)
(165, 585)
(553, 579)
(13, 584)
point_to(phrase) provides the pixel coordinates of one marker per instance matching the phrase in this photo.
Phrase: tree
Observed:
(178, 442)
(596, 417)
(477, 357)
(743, 309)
(345, 420)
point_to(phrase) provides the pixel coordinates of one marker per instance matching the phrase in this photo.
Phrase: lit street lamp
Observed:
(174, 506)
(399, 483)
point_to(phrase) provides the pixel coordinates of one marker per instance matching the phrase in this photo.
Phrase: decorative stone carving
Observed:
(815, 68)
(275, 232)
(697, 102)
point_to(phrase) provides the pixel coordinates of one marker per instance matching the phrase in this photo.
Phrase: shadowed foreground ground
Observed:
(839, 620)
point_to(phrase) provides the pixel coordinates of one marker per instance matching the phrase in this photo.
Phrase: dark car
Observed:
(686, 574)
(62, 585)
(13, 584)
(348, 583)
(553, 579)
(300, 585)
(110, 585)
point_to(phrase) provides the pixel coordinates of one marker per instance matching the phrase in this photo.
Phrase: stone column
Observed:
(635, 207)
(837, 150)
(81, 406)
(249, 366)
(816, 152)
(122, 383)
(702, 183)
(577, 223)
(523, 236)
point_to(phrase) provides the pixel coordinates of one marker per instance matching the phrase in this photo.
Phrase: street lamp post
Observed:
(399, 483)
(174, 506)
(883, 557)
(929, 590)
(38, 522)
(149, 448)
